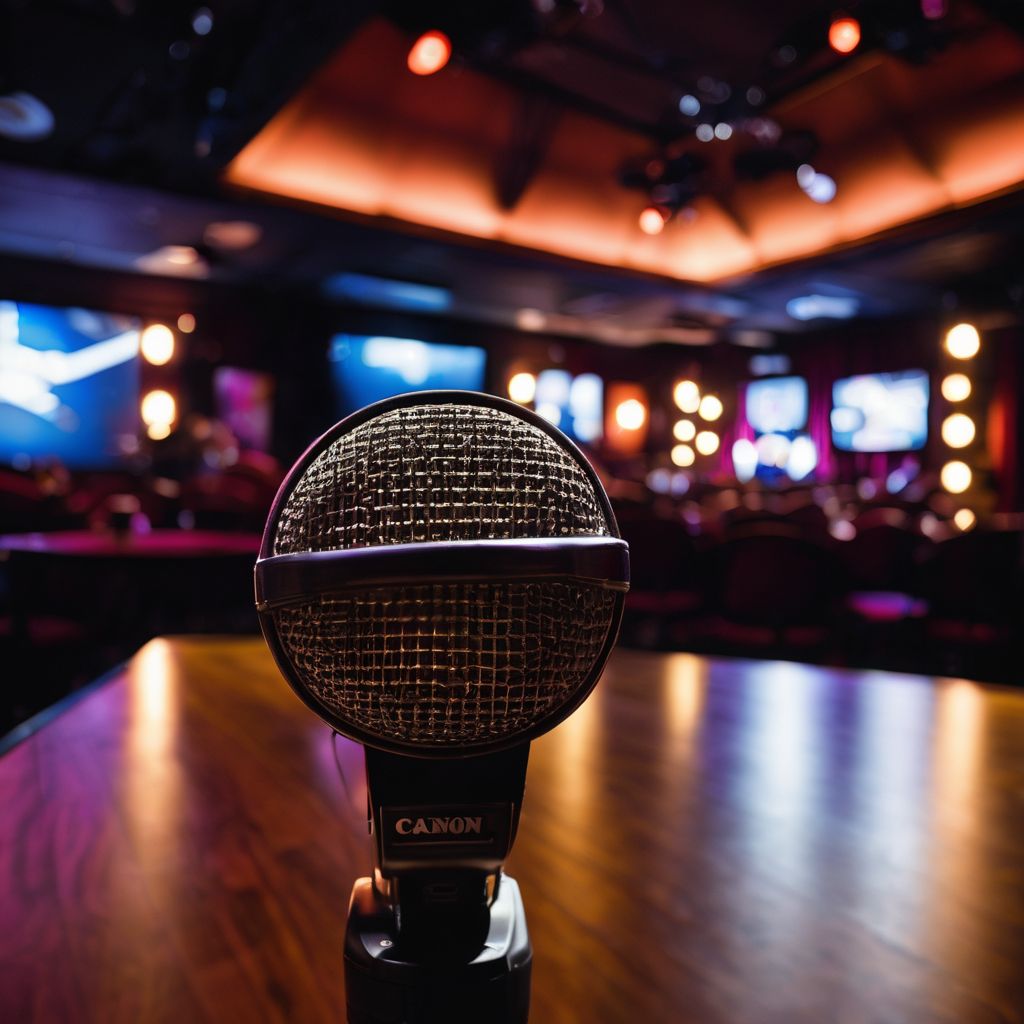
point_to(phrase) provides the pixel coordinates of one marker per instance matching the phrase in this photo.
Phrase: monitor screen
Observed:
(368, 369)
(880, 412)
(573, 404)
(69, 385)
(777, 405)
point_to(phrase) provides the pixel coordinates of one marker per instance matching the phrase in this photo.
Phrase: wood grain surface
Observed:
(704, 842)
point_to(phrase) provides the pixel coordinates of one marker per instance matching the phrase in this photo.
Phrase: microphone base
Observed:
(383, 987)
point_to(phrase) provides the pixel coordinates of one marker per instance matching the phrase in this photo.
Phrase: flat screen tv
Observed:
(777, 405)
(880, 412)
(69, 385)
(574, 404)
(367, 369)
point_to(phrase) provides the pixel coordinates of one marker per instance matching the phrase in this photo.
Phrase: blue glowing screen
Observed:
(368, 369)
(880, 412)
(69, 385)
(777, 405)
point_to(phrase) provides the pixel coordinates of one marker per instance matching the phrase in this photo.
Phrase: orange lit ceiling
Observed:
(902, 142)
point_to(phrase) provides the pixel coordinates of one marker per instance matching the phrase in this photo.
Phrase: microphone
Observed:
(441, 578)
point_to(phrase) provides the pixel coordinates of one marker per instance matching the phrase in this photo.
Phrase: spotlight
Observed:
(157, 344)
(522, 387)
(956, 477)
(707, 442)
(683, 456)
(630, 414)
(958, 430)
(686, 395)
(710, 407)
(684, 430)
(844, 35)
(956, 387)
(652, 220)
(430, 53)
(963, 341)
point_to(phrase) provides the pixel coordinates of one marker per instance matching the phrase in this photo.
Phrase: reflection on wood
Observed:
(704, 841)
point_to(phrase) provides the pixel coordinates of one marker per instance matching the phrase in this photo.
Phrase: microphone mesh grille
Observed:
(453, 663)
(437, 473)
(448, 664)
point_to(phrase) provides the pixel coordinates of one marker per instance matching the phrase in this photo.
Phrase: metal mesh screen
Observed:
(436, 473)
(459, 662)
(451, 663)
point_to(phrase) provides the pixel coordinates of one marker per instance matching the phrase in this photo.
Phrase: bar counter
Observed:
(704, 842)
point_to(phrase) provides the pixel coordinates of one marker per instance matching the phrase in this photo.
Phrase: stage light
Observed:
(964, 519)
(158, 431)
(522, 387)
(710, 408)
(705, 132)
(186, 323)
(707, 442)
(958, 430)
(844, 35)
(956, 477)
(429, 53)
(689, 105)
(630, 414)
(652, 220)
(684, 430)
(683, 456)
(723, 130)
(686, 395)
(956, 387)
(157, 344)
(158, 407)
(963, 341)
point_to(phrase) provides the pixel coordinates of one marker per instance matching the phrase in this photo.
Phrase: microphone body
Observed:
(441, 578)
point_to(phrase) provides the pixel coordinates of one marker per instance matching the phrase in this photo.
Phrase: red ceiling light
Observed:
(652, 220)
(844, 34)
(429, 53)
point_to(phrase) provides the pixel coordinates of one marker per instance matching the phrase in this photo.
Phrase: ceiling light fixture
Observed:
(430, 53)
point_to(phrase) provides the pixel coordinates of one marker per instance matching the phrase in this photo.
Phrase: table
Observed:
(705, 841)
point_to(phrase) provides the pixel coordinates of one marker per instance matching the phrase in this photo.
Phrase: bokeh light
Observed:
(964, 519)
(844, 35)
(956, 476)
(963, 341)
(683, 455)
(710, 407)
(707, 442)
(158, 407)
(430, 53)
(958, 430)
(630, 414)
(686, 395)
(522, 387)
(157, 344)
(652, 221)
(956, 387)
(684, 430)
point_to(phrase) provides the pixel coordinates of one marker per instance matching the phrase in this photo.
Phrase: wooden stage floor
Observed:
(704, 842)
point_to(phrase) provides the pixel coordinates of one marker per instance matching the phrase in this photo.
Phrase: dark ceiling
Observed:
(148, 113)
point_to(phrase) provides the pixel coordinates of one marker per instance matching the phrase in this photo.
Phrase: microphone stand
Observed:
(438, 934)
